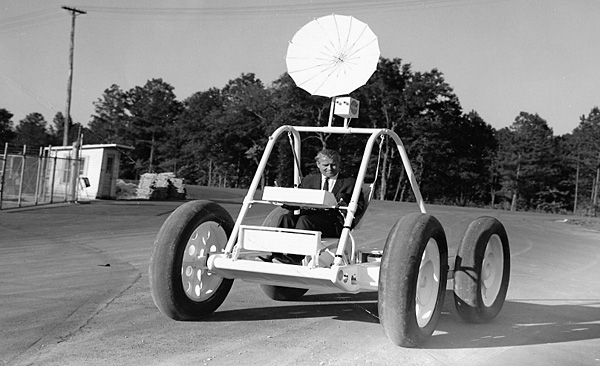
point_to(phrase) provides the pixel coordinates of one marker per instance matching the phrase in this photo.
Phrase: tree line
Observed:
(217, 136)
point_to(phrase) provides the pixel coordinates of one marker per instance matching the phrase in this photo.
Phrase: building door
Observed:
(107, 187)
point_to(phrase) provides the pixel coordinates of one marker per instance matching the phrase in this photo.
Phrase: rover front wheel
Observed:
(181, 285)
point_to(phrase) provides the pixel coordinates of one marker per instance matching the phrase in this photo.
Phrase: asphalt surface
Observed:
(74, 291)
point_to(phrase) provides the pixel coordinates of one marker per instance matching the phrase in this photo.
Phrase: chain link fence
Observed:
(29, 178)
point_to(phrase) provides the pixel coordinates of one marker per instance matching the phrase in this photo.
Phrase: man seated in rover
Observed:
(329, 222)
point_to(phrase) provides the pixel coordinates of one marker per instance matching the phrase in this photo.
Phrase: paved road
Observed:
(74, 291)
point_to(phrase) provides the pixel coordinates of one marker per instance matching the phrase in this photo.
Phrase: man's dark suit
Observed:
(329, 222)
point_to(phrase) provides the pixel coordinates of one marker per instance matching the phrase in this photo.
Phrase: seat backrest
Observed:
(367, 193)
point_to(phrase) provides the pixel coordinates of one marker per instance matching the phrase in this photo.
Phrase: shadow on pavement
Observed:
(360, 307)
(519, 323)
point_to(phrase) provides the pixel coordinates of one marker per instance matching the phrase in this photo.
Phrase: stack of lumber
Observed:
(161, 186)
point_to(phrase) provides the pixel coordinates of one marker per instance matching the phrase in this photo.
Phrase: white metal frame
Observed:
(345, 273)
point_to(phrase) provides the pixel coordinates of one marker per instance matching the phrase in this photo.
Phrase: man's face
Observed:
(328, 167)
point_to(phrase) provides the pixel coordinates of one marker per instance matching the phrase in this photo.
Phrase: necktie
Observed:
(326, 184)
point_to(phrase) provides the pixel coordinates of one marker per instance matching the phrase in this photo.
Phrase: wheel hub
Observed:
(428, 283)
(199, 283)
(492, 271)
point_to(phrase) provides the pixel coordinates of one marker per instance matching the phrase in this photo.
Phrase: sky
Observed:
(501, 57)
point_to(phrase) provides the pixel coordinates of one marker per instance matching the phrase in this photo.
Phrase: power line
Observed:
(33, 19)
(39, 99)
(43, 17)
(286, 9)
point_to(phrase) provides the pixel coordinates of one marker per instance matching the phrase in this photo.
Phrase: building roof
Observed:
(94, 146)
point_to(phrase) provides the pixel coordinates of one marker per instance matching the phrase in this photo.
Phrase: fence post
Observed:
(22, 175)
(53, 176)
(37, 179)
(68, 179)
(75, 171)
(3, 172)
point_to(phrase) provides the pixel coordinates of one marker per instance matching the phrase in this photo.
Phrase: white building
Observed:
(98, 171)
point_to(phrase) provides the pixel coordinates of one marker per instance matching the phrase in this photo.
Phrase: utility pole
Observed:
(576, 184)
(74, 13)
(597, 185)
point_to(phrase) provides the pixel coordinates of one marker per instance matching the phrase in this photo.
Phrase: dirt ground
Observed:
(592, 223)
